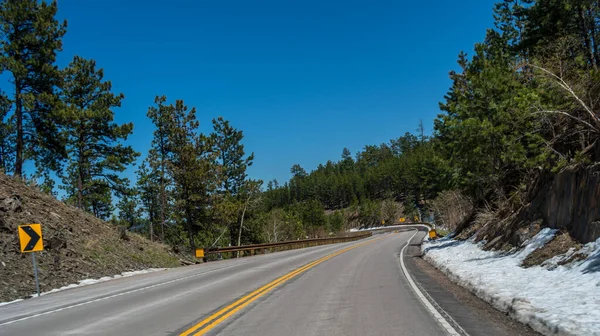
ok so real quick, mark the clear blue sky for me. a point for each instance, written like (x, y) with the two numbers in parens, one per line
(302, 79)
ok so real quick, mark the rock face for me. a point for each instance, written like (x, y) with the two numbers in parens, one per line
(568, 201)
(573, 203)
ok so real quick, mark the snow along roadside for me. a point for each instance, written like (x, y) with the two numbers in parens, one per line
(87, 282)
(561, 301)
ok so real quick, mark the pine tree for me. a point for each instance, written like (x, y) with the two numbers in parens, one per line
(549, 21)
(336, 221)
(158, 155)
(129, 213)
(313, 216)
(347, 163)
(298, 171)
(100, 200)
(31, 38)
(232, 175)
(233, 165)
(403, 144)
(149, 188)
(509, 18)
(191, 164)
(94, 140)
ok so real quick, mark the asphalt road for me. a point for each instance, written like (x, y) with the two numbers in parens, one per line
(352, 289)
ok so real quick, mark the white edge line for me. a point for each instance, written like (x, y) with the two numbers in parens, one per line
(438, 316)
(112, 296)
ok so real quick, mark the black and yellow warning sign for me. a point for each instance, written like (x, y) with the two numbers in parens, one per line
(30, 237)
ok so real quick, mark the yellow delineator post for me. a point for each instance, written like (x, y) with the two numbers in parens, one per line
(30, 239)
(432, 234)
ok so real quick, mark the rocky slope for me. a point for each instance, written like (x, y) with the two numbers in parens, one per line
(77, 245)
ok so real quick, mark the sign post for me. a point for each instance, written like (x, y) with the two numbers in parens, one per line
(37, 282)
(30, 238)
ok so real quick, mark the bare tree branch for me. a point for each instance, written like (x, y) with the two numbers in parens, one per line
(570, 116)
(568, 88)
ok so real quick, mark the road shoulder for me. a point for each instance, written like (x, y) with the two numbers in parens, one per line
(474, 315)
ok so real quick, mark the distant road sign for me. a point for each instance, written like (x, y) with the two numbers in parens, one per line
(402, 220)
(30, 237)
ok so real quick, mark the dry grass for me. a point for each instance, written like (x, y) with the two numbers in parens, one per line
(391, 211)
(483, 218)
(560, 244)
(451, 208)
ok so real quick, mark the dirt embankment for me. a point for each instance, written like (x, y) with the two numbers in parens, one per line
(77, 245)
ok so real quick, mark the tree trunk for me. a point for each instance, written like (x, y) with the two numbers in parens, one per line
(151, 217)
(586, 35)
(3, 156)
(80, 173)
(162, 204)
(593, 38)
(151, 231)
(80, 191)
(19, 117)
(162, 186)
(188, 218)
(239, 238)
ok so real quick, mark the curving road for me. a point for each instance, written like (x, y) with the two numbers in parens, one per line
(353, 288)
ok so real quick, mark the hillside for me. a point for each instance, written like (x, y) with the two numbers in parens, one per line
(77, 245)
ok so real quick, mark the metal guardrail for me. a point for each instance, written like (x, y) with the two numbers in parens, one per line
(280, 246)
(432, 233)
(399, 226)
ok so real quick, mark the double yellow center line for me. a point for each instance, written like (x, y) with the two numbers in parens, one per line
(215, 319)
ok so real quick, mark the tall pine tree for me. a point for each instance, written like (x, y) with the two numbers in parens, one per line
(232, 175)
(157, 157)
(148, 187)
(31, 37)
(232, 158)
(191, 164)
(94, 141)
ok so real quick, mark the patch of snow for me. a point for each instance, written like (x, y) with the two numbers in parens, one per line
(553, 299)
(5, 303)
(87, 282)
(149, 270)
